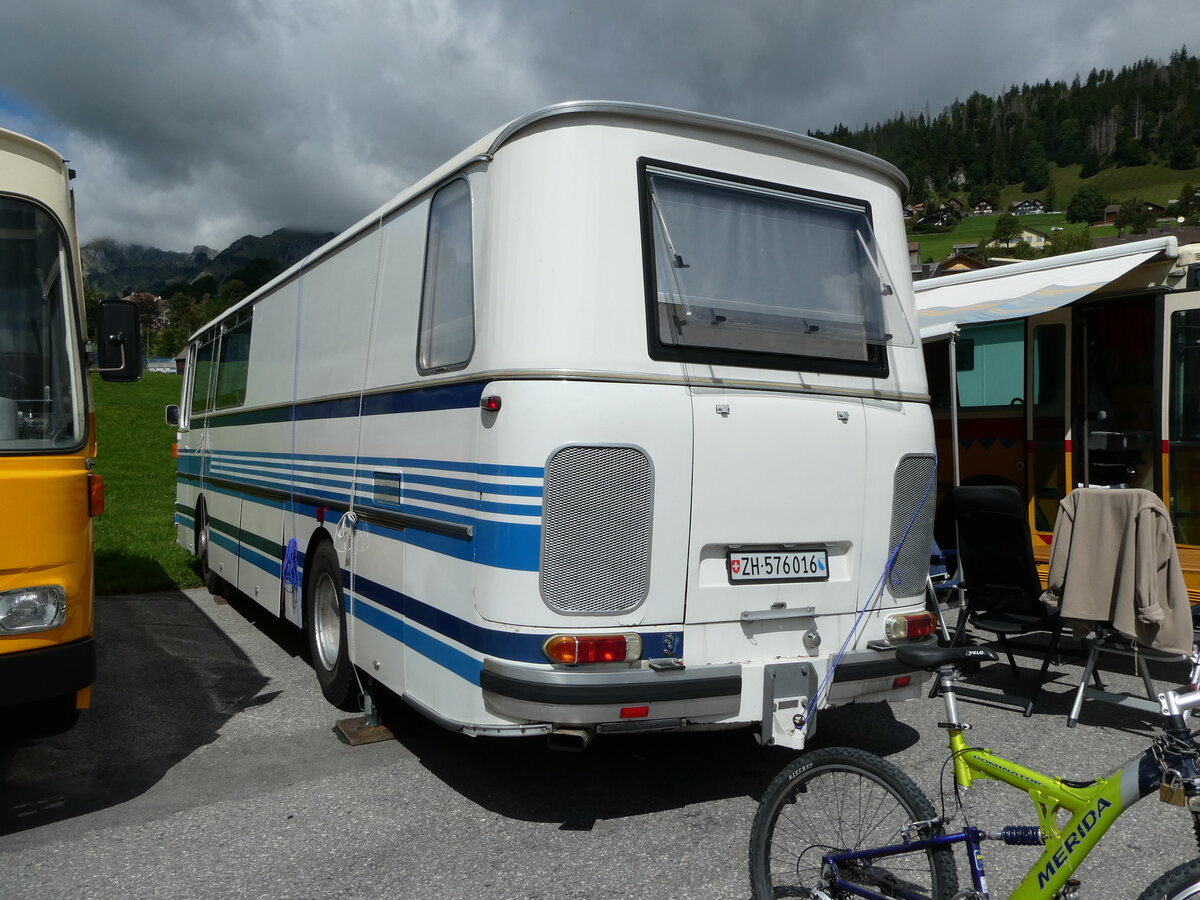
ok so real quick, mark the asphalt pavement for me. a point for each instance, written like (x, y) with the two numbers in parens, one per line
(209, 766)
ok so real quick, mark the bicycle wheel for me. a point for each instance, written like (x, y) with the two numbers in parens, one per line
(1181, 883)
(840, 799)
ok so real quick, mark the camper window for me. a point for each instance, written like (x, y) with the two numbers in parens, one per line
(447, 330)
(778, 278)
(202, 370)
(231, 370)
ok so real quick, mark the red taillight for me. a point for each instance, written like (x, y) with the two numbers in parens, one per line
(635, 712)
(490, 404)
(580, 649)
(910, 627)
(95, 494)
(902, 681)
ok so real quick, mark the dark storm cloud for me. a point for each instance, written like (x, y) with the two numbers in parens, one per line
(200, 121)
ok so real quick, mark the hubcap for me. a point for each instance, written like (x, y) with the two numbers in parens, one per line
(327, 624)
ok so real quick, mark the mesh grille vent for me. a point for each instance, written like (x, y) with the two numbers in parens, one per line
(596, 521)
(911, 568)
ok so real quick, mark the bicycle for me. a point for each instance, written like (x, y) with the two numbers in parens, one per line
(841, 822)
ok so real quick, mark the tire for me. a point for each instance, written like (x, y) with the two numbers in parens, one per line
(325, 625)
(1181, 883)
(838, 799)
(212, 581)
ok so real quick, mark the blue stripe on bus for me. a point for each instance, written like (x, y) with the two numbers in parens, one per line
(440, 397)
(301, 474)
(514, 509)
(410, 462)
(461, 664)
(507, 645)
(225, 543)
(502, 545)
(258, 560)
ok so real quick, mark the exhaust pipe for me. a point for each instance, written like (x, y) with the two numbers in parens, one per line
(571, 740)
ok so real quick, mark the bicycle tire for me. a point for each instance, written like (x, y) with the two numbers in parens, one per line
(837, 799)
(1181, 883)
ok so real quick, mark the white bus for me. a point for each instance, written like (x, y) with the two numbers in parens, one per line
(611, 423)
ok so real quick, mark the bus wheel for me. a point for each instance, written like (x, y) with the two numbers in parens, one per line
(212, 581)
(325, 624)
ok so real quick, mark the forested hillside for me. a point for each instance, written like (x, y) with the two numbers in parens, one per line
(1145, 113)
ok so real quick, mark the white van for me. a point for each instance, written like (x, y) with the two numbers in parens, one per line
(617, 421)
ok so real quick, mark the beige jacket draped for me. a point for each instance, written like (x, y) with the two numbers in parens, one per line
(1114, 560)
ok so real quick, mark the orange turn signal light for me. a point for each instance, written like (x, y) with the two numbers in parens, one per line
(95, 494)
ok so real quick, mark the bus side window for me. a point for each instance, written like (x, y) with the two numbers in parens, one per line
(447, 330)
(201, 373)
(232, 366)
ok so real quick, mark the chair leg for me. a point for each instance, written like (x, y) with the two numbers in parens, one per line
(1050, 652)
(1008, 652)
(1088, 670)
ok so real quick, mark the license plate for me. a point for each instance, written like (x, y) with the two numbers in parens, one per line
(777, 565)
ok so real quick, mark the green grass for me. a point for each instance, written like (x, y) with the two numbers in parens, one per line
(135, 537)
(1158, 184)
(978, 229)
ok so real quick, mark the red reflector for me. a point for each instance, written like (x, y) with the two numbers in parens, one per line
(95, 494)
(902, 681)
(635, 712)
(490, 404)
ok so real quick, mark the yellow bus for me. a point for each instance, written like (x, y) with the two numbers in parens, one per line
(47, 437)
(1073, 371)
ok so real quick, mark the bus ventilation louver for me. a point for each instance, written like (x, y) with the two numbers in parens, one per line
(912, 486)
(596, 518)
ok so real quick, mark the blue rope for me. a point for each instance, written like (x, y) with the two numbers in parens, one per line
(875, 597)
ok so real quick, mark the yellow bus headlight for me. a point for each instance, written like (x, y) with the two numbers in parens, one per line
(32, 609)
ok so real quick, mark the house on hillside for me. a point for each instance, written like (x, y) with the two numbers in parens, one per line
(1031, 236)
(152, 309)
(916, 268)
(959, 262)
(982, 208)
(1032, 207)
(1110, 211)
(1184, 234)
(955, 204)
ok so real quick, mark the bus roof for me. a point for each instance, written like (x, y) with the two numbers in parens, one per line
(12, 142)
(484, 149)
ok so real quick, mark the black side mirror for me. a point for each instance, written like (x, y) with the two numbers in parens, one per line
(172, 415)
(118, 341)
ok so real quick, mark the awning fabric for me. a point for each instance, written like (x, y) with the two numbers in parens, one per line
(1019, 290)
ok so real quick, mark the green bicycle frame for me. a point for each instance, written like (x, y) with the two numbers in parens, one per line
(1093, 806)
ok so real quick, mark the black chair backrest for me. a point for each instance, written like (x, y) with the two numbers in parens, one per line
(995, 550)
